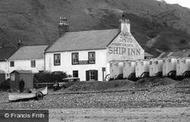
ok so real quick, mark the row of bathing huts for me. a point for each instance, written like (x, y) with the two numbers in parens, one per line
(169, 67)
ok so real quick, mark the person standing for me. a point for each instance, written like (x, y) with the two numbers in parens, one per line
(21, 85)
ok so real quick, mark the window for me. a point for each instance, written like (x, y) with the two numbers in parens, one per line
(33, 63)
(156, 62)
(75, 73)
(12, 64)
(91, 57)
(75, 58)
(57, 58)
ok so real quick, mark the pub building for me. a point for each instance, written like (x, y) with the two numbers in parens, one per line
(89, 54)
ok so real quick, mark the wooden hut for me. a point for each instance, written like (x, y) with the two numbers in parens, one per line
(17, 75)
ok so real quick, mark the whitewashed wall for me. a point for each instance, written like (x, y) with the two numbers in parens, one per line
(4, 67)
(66, 63)
(125, 47)
(26, 65)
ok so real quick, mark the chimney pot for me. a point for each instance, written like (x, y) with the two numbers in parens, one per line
(125, 24)
(63, 26)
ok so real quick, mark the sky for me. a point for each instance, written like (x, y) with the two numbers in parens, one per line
(184, 3)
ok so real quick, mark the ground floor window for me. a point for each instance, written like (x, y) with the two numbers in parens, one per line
(33, 63)
(75, 73)
(12, 63)
(91, 75)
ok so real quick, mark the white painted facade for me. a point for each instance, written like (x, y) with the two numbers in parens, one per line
(141, 67)
(168, 66)
(67, 66)
(128, 68)
(26, 65)
(121, 48)
(155, 67)
(182, 66)
(4, 68)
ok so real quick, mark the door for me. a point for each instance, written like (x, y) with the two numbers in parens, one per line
(91, 75)
(75, 73)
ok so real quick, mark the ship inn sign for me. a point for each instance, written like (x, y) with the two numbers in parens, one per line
(124, 47)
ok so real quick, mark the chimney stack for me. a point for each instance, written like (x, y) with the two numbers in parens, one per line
(19, 44)
(63, 26)
(125, 24)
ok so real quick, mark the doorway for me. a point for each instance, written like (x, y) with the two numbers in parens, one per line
(91, 75)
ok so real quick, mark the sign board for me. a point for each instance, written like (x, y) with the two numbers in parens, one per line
(124, 47)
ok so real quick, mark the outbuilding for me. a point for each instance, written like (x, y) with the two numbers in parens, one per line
(17, 76)
(116, 69)
(129, 69)
(169, 65)
(142, 68)
(155, 67)
(183, 65)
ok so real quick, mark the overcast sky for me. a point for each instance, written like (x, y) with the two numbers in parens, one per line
(185, 3)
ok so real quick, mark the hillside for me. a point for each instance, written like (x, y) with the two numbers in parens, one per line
(156, 25)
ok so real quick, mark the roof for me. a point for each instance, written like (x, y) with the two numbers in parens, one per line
(84, 40)
(29, 52)
(176, 54)
(6, 52)
(22, 71)
(148, 54)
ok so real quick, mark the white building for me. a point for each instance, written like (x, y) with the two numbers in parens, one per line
(5, 53)
(183, 65)
(87, 54)
(155, 67)
(28, 58)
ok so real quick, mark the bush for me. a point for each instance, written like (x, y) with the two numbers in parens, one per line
(42, 77)
(48, 77)
(5, 85)
(58, 76)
